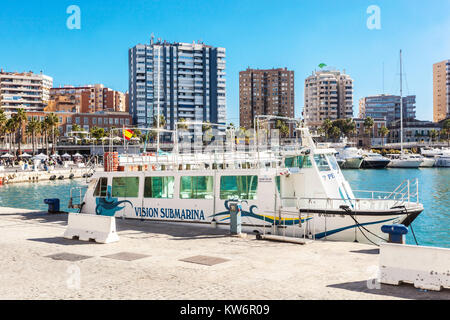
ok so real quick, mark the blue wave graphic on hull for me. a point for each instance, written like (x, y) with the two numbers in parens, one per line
(109, 206)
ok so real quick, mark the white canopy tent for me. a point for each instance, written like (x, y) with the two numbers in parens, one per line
(41, 156)
(25, 155)
(7, 155)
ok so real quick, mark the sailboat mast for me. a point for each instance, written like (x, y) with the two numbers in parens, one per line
(401, 104)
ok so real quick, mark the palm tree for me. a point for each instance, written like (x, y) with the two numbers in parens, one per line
(182, 125)
(20, 118)
(433, 134)
(325, 127)
(32, 129)
(52, 122)
(335, 133)
(44, 132)
(446, 130)
(10, 129)
(384, 132)
(368, 125)
(2, 123)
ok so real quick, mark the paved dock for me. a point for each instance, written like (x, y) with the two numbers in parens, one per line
(155, 260)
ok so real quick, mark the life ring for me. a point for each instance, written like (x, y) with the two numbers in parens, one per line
(153, 167)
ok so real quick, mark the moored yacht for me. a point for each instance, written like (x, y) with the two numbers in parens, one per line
(349, 157)
(372, 160)
(405, 160)
(443, 160)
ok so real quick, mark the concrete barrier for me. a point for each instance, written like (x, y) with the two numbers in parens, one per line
(425, 267)
(88, 227)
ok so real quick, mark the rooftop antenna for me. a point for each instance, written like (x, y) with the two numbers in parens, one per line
(152, 38)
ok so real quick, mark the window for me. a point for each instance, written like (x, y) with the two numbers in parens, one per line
(125, 187)
(159, 187)
(197, 187)
(243, 187)
(321, 162)
(100, 189)
(299, 161)
(333, 162)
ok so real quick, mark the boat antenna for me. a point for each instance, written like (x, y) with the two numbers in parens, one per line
(401, 105)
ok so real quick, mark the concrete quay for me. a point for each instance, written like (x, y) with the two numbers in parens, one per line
(20, 176)
(163, 261)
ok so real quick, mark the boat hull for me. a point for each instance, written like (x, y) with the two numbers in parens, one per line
(404, 163)
(352, 163)
(443, 162)
(375, 164)
(427, 163)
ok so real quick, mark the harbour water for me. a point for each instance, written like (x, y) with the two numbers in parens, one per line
(431, 228)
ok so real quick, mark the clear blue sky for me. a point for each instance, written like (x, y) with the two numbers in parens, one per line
(259, 33)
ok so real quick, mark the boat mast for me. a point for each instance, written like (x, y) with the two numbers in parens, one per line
(401, 105)
(158, 116)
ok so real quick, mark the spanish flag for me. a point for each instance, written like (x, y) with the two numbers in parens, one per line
(127, 134)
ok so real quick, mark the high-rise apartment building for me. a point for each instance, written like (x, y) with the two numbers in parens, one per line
(265, 92)
(27, 90)
(328, 95)
(181, 80)
(88, 98)
(441, 90)
(387, 107)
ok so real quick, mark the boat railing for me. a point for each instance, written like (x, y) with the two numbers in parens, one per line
(404, 194)
(79, 193)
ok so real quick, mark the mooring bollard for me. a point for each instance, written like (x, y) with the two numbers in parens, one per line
(396, 232)
(235, 216)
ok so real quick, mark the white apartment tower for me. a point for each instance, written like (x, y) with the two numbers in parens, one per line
(188, 79)
(328, 95)
(26, 90)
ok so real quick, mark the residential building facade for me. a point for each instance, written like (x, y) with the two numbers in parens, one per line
(413, 131)
(85, 121)
(26, 90)
(369, 137)
(328, 95)
(265, 92)
(441, 90)
(86, 99)
(387, 107)
(178, 80)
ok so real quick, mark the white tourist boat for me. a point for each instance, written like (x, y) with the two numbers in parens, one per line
(296, 193)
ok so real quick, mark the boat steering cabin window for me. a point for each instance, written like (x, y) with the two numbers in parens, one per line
(322, 163)
(101, 188)
(159, 187)
(333, 162)
(197, 187)
(243, 187)
(125, 187)
(297, 162)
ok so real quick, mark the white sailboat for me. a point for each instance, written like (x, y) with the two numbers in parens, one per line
(403, 160)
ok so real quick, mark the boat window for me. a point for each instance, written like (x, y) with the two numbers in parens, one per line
(125, 187)
(278, 182)
(102, 186)
(321, 162)
(159, 187)
(297, 162)
(333, 162)
(243, 187)
(196, 187)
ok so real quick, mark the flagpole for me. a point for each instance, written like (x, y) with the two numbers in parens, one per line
(123, 136)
